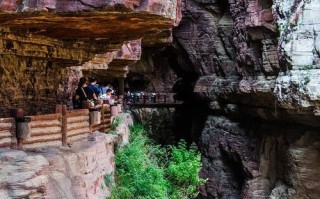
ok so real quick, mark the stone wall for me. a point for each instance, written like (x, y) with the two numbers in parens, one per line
(40, 40)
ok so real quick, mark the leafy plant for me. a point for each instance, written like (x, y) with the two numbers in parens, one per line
(182, 172)
(108, 179)
(138, 175)
(115, 123)
(146, 170)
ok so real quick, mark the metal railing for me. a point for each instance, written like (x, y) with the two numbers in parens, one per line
(151, 98)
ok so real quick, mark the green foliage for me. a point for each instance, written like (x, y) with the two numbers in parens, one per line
(108, 180)
(145, 170)
(116, 122)
(137, 174)
(182, 172)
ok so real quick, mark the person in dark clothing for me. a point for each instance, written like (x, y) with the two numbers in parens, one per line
(83, 93)
(93, 85)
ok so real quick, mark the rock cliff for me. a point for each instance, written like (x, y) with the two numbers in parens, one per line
(256, 61)
(41, 40)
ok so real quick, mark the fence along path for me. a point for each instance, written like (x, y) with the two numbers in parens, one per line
(61, 128)
(152, 99)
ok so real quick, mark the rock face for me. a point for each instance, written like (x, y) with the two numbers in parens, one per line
(255, 160)
(153, 72)
(40, 40)
(158, 121)
(83, 170)
(70, 172)
(257, 63)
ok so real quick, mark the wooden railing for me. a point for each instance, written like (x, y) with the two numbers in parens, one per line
(7, 132)
(45, 130)
(61, 128)
(105, 124)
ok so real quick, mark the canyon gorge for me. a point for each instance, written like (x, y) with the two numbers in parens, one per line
(247, 72)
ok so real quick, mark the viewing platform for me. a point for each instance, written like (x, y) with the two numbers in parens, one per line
(152, 100)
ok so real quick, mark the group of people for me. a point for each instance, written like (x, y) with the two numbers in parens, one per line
(88, 89)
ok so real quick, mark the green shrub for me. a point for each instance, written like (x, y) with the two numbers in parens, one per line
(182, 171)
(116, 122)
(145, 170)
(138, 175)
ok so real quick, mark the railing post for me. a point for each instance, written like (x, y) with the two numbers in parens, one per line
(63, 110)
(165, 98)
(102, 117)
(18, 113)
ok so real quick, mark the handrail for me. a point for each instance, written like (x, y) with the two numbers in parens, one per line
(61, 128)
(151, 98)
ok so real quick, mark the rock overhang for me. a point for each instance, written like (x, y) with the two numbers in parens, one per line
(86, 28)
(45, 46)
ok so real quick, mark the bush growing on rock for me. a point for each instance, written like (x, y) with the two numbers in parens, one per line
(146, 170)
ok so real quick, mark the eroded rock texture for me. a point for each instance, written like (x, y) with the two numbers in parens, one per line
(158, 121)
(258, 160)
(70, 172)
(257, 63)
(40, 40)
(83, 170)
(153, 72)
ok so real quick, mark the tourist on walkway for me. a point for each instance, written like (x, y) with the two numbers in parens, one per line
(93, 85)
(82, 94)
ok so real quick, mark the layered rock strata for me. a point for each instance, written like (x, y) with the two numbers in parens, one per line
(39, 39)
(258, 160)
(158, 121)
(257, 62)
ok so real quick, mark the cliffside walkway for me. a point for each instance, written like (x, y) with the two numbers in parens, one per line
(152, 100)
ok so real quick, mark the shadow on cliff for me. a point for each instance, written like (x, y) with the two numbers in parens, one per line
(190, 117)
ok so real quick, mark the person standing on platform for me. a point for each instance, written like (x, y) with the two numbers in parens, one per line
(93, 85)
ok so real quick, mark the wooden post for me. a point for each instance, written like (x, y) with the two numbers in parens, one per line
(95, 116)
(63, 110)
(18, 113)
(102, 117)
(23, 128)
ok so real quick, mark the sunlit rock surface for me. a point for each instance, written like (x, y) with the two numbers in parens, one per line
(40, 40)
(75, 172)
(83, 170)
